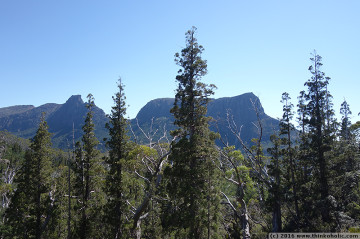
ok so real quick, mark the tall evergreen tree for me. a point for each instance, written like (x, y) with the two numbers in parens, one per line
(288, 153)
(315, 156)
(118, 150)
(191, 184)
(88, 173)
(345, 121)
(276, 191)
(30, 209)
(306, 201)
(344, 172)
(318, 108)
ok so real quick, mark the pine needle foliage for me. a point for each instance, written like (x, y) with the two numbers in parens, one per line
(30, 209)
(89, 173)
(191, 185)
(118, 151)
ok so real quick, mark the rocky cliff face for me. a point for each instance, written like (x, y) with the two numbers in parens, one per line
(72, 112)
(60, 118)
(7, 111)
(25, 123)
(240, 107)
(157, 108)
(240, 112)
(154, 119)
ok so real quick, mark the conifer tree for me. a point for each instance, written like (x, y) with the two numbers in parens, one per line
(344, 173)
(288, 154)
(191, 184)
(318, 108)
(88, 172)
(30, 209)
(345, 121)
(118, 150)
(315, 155)
(306, 205)
(276, 191)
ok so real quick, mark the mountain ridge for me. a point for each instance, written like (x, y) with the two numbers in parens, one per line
(60, 118)
(240, 108)
(154, 118)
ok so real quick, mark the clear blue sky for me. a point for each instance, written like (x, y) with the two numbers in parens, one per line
(50, 50)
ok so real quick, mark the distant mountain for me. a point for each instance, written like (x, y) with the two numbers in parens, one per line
(154, 119)
(240, 111)
(60, 118)
(73, 113)
(7, 111)
(24, 123)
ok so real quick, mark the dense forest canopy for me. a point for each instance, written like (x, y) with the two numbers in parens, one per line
(183, 184)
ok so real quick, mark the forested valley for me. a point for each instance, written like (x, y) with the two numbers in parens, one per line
(183, 185)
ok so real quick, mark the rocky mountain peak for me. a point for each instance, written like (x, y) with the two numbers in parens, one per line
(154, 117)
(155, 108)
(75, 100)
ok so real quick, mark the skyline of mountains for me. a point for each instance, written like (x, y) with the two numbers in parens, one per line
(154, 119)
(23, 120)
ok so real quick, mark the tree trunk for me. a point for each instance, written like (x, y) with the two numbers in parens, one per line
(276, 219)
(138, 230)
(245, 220)
(244, 212)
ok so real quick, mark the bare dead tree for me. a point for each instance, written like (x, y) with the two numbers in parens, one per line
(154, 168)
(229, 162)
(8, 170)
(253, 158)
(243, 214)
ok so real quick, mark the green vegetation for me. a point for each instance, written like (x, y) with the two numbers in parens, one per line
(182, 184)
(191, 179)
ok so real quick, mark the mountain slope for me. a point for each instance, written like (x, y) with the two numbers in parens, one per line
(60, 118)
(72, 114)
(7, 111)
(25, 123)
(240, 112)
(154, 119)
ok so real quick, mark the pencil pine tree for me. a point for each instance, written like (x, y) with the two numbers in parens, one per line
(291, 167)
(316, 152)
(344, 173)
(88, 172)
(318, 108)
(345, 121)
(115, 183)
(193, 191)
(30, 209)
(276, 189)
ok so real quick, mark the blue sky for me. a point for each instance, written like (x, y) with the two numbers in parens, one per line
(50, 50)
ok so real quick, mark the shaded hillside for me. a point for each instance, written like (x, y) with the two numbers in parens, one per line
(73, 113)
(240, 112)
(60, 118)
(25, 123)
(7, 111)
(155, 117)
